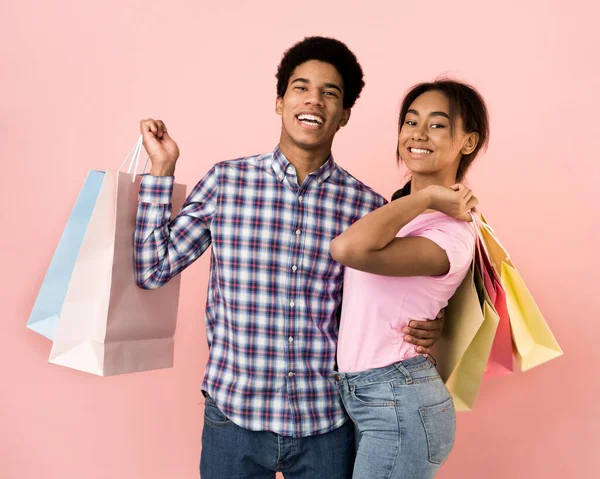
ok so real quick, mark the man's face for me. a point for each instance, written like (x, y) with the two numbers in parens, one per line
(312, 108)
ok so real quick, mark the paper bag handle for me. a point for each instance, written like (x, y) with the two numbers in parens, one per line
(134, 159)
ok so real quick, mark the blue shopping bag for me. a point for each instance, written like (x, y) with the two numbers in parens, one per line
(50, 299)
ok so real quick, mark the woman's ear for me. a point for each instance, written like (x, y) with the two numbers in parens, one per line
(470, 143)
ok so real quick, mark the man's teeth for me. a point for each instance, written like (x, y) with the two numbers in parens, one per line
(420, 151)
(311, 118)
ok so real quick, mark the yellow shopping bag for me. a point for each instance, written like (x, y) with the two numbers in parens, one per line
(533, 340)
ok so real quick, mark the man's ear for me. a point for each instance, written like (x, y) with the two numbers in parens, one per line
(470, 143)
(279, 105)
(345, 117)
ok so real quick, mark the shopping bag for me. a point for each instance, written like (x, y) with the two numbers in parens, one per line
(533, 340)
(463, 351)
(501, 360)
(48, 304)
(107, 324)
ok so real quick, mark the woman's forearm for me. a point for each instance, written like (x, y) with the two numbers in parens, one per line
(379, 228)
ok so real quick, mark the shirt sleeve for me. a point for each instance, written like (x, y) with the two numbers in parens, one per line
(163, 247)
(457, 240)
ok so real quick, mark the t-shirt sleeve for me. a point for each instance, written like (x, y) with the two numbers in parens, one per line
(457, 239)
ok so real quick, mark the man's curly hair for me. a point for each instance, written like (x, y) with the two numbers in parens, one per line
(327, 50)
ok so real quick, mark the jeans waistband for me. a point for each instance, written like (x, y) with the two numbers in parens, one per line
(406, 367)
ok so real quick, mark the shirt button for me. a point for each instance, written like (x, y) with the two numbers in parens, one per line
(298, 232)
(292, 304)
(291, 374)
(291, 339)
(300, 199)
(294, 268)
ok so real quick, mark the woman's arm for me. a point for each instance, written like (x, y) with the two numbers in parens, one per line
(371, 245)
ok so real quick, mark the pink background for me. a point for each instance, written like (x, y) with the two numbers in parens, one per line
(76, 78)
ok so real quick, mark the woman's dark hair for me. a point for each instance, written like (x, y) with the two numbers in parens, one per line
(328, 50)
(466, 103)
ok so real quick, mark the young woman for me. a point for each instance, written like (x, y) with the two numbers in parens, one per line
(404, 261)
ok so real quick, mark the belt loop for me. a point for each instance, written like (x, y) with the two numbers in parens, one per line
(404, 371)
(341, 381)
(431, 359)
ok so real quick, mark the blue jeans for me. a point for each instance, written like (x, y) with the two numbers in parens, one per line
(232, 452)
(404, 419)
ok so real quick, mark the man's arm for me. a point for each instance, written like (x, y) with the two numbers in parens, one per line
(163, 248)
(424, 334)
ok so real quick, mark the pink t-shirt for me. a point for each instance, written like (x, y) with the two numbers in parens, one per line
(375, 308)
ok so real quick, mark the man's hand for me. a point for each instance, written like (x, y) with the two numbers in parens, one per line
(424, 334)
(161, 148)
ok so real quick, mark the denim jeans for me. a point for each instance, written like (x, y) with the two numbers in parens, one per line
(232, 452)
(404, 419)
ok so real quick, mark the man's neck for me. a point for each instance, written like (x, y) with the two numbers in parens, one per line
(305, 161)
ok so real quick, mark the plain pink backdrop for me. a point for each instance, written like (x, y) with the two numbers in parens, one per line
(77, 76)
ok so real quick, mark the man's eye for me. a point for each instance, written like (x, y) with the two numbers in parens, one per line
(301, 88)
(330, 93)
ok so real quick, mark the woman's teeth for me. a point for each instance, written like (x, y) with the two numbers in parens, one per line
(420, 151)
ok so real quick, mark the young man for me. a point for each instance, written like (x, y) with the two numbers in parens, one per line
(274, 290)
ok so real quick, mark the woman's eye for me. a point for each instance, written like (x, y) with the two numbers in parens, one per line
(410, 122)
(438, 125)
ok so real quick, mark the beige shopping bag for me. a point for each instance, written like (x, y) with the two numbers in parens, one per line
(463, 351)
(107, 324)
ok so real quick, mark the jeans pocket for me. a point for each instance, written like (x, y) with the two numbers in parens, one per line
(213, 414)
(440, 429)
(374, 394)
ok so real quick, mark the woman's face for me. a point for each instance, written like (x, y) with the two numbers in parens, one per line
(426, 144)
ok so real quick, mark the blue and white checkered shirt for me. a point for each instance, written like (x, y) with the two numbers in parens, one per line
(274, 290)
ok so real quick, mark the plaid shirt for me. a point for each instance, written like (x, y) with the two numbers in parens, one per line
(274, 290)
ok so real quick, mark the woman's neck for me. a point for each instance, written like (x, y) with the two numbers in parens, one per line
(419, 182)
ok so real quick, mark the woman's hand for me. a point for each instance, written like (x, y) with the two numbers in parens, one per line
(456, 201)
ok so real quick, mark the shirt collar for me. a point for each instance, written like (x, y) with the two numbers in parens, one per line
(280, 164)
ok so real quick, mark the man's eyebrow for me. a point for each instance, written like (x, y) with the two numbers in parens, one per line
(327, 85)
(301, 80)
(334, 86)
